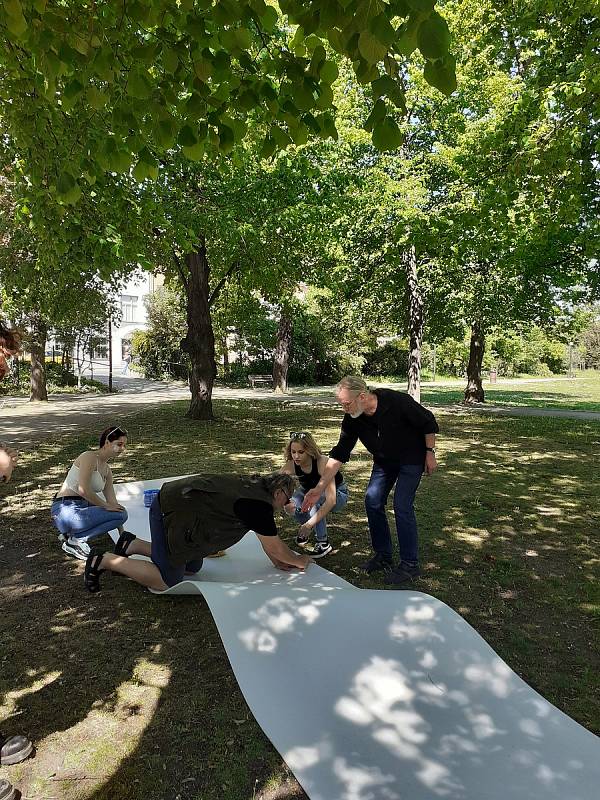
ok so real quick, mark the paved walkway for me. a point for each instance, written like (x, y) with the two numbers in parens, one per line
(23, 424)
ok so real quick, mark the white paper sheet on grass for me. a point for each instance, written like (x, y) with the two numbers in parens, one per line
(382, 695)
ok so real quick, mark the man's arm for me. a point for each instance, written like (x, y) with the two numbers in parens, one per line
(331, 469)
(430, 460)
(281, 555)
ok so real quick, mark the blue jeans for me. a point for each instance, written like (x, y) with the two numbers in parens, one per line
(159, 553)
(74, 516)
(407, 478)
(320, 529)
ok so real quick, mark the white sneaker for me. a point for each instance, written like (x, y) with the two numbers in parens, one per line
(77, 548)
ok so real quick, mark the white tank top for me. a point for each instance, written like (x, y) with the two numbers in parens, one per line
(98, 481)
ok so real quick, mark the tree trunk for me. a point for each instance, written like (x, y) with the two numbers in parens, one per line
(281, 360)
(415, 324)
(39, 332)
(474, 391)
(200, 339)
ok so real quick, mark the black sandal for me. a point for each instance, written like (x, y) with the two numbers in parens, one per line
(123, 542)
(91, 575)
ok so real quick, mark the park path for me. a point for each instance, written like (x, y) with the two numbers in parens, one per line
(24, 424)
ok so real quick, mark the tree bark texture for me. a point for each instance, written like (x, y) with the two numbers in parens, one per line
(415, 324)
(474, 391)
(281, 360)
(200, 340)
(39, 333)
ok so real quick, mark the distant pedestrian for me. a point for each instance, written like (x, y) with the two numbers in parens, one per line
(400, 433)
(126, 363)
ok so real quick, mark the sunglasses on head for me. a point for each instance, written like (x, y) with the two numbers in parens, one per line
(298, 435)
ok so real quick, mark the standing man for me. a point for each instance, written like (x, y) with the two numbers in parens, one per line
(400, 433)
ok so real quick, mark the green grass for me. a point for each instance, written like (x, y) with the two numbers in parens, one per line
(131, 695)
(581, 393)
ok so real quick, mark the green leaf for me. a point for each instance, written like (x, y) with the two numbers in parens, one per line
(329, 72)
(40, 5)
(71, 94)
(194, 153)
(299, 134)
(165, 133)
(226, 139)
(325, 99)
(17, 25)
(381, 28)
(386, 135)
(407, 39)
(65, 183)
(269, 19)
(187, 137)
(378, 113)
(370, 48)
(138, 86)
(203, 69)
(96, 98)
(243, 38)
(303, 96)
(433, 37)
(388, 87)
(282, 139)
(268, 147)
(170, 59)
(13, 8)
(441, 74)
(146, 167)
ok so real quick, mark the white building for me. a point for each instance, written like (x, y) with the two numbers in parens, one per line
(133, 314)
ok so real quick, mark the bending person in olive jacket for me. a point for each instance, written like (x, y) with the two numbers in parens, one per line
(194, 517)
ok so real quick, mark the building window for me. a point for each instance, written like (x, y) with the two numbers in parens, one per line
(129, 307)
(100, 348)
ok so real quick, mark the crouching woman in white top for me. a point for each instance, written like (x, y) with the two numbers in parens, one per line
(85, 505)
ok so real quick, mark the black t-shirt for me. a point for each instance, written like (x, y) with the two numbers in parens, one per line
(257, 515)
(394, 433)
(308, 480)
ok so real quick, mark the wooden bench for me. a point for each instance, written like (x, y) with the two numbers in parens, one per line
(261, 380)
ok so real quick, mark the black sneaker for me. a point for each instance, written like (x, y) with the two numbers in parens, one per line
(320, 549)
(77, 548)
(8, 791)
(302, 538)
(14, 749)
(403, 574)
(379, 561)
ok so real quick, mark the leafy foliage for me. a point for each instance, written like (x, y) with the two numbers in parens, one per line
(115, 86)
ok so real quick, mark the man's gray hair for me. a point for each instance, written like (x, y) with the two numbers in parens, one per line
(280, 480)
(353, 383)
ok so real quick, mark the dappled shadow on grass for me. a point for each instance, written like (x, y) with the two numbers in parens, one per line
(128, 694)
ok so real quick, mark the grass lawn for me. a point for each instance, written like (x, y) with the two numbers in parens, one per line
(581, 393)
(128, 695)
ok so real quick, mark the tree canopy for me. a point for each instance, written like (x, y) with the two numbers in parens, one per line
(109, 86)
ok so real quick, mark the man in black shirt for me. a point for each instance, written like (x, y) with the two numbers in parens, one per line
(400, 433)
